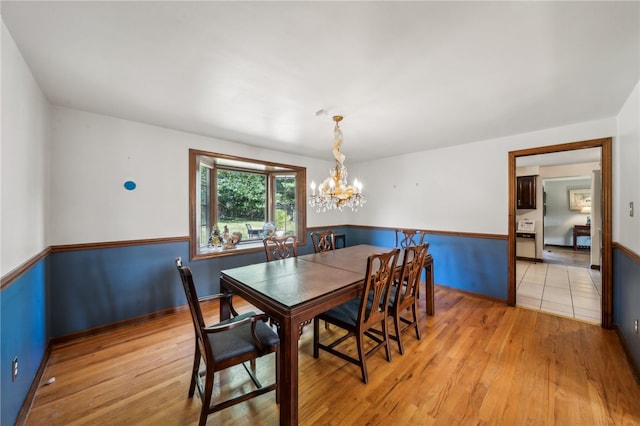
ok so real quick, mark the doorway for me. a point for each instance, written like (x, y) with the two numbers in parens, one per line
(606, 259)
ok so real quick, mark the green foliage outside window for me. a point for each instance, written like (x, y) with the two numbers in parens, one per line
(285, 203)
(241, 196)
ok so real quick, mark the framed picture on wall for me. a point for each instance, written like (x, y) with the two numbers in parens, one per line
(579, 198)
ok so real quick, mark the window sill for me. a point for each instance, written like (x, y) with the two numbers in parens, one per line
(211, 252)
(246, 248)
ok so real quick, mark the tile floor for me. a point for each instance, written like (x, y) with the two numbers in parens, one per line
(563, 290)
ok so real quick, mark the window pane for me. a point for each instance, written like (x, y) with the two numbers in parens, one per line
(242, 200)
(285, 204)
(205, 202)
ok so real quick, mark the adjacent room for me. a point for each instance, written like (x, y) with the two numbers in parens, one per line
(320, 212)
(558, 270)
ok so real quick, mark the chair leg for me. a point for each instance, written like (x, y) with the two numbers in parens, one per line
(397, 324)
(414, 309)
(194, 371)
(206, 398)
(362, 357)
(385, 333)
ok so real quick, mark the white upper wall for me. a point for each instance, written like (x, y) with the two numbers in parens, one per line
(23, 152)
(462, 188)
(459, 189)
(560, 220)
(626, 174)
(94, 155)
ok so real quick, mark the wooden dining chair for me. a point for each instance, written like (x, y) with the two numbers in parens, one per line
(219, 346)
(362, 314)
(280, 247)
(408, 237)
(405, 292)
(323, 241)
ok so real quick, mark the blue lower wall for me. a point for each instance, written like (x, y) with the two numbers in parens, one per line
(72, 291)
(23, 334)
(626, 299)
(91, 288)
(478, 265)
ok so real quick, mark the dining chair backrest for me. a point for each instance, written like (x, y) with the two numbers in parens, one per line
(377, 288)
(192, 300)
(323, 241)
(280, 247)
(412, 264)
(408, 237)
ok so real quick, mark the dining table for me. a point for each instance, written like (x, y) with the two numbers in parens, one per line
(292, 292)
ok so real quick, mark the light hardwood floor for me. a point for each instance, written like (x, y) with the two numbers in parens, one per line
(478, 362)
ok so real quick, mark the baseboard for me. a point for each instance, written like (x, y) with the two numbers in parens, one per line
(115, 325)
(31, 395)
(529, 259)
(470, 293)
(632, 363)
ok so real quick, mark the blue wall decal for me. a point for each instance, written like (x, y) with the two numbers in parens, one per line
(129, 185)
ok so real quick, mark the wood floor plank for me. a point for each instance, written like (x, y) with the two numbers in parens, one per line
(478, 362)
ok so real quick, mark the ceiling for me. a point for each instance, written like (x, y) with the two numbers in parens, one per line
(407, 76)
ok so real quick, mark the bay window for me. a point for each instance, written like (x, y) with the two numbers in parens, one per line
(235, 202)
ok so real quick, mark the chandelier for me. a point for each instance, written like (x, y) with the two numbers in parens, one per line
(334, 192)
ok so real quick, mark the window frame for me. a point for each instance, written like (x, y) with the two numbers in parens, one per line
(270, 169)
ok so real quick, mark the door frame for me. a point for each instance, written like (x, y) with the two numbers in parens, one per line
(605, 145)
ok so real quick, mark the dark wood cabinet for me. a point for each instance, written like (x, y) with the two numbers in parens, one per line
(526, 195)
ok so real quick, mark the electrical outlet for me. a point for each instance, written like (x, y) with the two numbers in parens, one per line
(14, 369)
